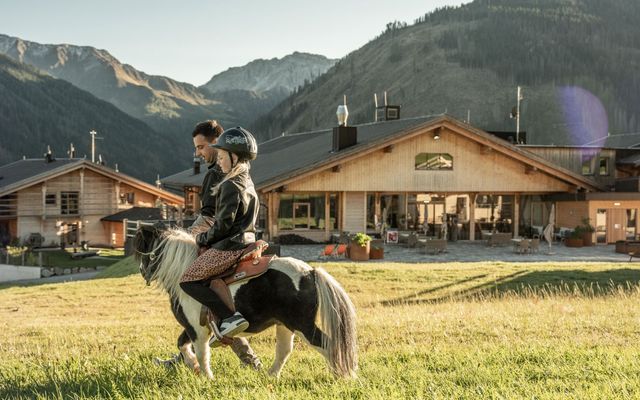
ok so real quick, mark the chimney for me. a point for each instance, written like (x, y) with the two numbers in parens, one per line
(343, 136)
(48, 156)
(385, 112)
(196, 165)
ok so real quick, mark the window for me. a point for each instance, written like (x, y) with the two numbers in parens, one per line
(603, 166)
(587, 164)
(434, 161)
(302, 211)
(69, 203)
(50, 199)
(127, 198)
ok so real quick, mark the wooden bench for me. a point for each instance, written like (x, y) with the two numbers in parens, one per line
(434, 246)
(633, 254)
(499, 239)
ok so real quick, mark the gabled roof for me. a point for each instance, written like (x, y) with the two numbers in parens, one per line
(291, 157)
(135, 214)
(283, 162)
(618, 141)
(24, 173)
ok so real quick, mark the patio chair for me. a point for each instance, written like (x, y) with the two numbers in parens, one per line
(328, 251)
(412, 240)
(523, 247)
(535, 244)
(341, 250)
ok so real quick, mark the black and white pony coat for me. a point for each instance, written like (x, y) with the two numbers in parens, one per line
(290, 294)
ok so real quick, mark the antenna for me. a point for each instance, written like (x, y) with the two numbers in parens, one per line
(93, 134)
(518, 115)
(72, 151)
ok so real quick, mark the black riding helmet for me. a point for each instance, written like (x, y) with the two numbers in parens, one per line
(238, 141)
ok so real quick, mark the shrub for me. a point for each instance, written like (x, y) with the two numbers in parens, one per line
(361, 239)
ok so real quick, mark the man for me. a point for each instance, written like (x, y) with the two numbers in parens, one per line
(204, 134)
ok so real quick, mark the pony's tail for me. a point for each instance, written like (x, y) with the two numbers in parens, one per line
(338, 320)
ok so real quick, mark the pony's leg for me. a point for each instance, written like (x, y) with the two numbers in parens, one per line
(284, 346)
(203, 354)
(313, 336)
(186, 350)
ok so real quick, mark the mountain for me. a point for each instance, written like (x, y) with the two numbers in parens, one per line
(37, 110)
(577, 61)
(274, 75)
(168, 106)
(234, 97)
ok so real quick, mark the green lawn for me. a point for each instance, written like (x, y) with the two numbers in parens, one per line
(466, 330)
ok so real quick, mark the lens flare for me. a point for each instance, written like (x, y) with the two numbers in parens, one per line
(584, 115)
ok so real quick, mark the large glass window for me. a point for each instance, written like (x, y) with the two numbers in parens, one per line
(302, 211)
(69, 203)
(434, 161)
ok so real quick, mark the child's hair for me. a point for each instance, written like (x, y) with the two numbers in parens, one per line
(242, 166)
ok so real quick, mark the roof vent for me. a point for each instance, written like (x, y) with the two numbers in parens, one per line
(344, 136)
(385, 112)
(48, 156)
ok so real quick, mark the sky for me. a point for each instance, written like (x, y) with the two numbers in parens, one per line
(190, 41)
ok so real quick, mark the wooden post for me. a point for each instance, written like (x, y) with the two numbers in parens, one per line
(472, 216)
(516, 215)
(327, 216)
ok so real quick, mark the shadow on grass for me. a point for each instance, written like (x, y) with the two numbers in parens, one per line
(535, 283)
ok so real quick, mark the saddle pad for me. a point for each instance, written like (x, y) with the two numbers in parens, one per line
(249, 269)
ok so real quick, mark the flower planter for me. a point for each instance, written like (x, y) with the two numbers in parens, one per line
(573, 242)
(359, 253)
(376, 253)
(587, 239)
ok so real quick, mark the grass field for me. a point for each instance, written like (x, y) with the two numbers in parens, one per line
(476, 330)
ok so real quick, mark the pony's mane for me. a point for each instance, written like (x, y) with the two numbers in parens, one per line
(179, 250)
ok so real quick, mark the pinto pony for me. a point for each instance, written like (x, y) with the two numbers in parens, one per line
(290, 294)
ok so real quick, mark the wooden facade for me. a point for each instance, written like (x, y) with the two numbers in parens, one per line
(68, 204)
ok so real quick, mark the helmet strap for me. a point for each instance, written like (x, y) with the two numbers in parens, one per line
(231, 159)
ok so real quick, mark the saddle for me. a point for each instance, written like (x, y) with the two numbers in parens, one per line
(251, 264)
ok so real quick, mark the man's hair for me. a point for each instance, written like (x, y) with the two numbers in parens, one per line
(209, 129)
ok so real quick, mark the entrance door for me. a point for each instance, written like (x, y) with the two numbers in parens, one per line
(616, 224)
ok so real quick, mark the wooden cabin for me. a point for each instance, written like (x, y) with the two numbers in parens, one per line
(67, 200)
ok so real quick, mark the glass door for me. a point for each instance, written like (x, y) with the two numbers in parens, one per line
(601, 226)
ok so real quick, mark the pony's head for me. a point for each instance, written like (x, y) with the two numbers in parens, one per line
(147, 246)
(164, 254)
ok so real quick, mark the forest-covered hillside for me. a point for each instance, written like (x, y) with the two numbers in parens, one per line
(576, 60)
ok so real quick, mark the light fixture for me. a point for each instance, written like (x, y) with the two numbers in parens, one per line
(616, 204)
(436, 134)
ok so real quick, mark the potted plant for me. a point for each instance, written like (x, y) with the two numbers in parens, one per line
(587, 232)
(575, 239)
(376, 251)
(359, 247)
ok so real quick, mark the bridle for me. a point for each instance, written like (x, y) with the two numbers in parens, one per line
(153, 257)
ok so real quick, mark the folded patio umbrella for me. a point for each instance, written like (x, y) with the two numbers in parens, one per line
(548, 230)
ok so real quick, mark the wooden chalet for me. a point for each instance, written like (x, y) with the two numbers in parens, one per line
(72, 200)
(417, 174)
